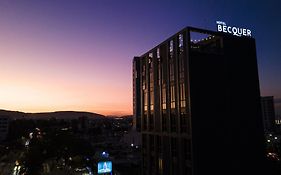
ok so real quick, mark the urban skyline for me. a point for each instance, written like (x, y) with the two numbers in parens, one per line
(71, 55)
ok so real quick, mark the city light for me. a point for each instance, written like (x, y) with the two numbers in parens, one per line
(104, 167)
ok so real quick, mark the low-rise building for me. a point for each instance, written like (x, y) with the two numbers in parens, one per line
(4, 127)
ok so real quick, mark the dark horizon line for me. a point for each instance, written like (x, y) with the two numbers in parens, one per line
(110, 115)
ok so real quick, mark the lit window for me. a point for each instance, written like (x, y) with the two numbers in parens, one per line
(173, 98)
(182, 95)
(171, 46)
(164, 97)
(158, 53)
(151, 99)
(180, 40)
(145, 101)
(150, 55)
(160, 165)
(151, 76)
(164, 106)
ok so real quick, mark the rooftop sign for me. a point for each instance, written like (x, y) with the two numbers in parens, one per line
(222, 27)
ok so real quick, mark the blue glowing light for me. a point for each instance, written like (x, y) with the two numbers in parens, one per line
(104, 167)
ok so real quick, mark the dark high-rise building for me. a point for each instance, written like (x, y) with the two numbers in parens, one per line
(268, 114)
(136, 94)
(197, 98)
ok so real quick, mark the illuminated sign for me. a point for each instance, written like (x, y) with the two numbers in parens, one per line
(104, 167)
(222, 27)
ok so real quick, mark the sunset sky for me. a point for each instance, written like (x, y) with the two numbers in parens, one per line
(77, 54)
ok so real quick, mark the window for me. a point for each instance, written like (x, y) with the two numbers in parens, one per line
(159, 144)
(171, 69)
(144, 142)
(151, 78)
(164, 98)
(173, 121)
(160, 165)
(204, 42)
(173, 97)
(187, 149)
(143, 77)
(171, 46)
(181, 67)
(180, 43)
(158, 53)
(164, 121)
(174, 147)
(144, 125)
(144, 149)
(153, 164)
(151, 121)
(182, 95)
(159, 73)
(151, 142)
(151, 99)
(145, 98)
(183, 122)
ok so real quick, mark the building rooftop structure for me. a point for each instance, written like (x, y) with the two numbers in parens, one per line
(268, 114)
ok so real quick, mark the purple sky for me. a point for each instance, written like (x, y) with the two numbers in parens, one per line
(77, 55)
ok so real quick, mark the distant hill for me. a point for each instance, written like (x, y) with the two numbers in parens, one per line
(12, 114)
(117, 116)
(127, 116)
(47, 115)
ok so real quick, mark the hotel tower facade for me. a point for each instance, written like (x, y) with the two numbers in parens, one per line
(197, 105)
